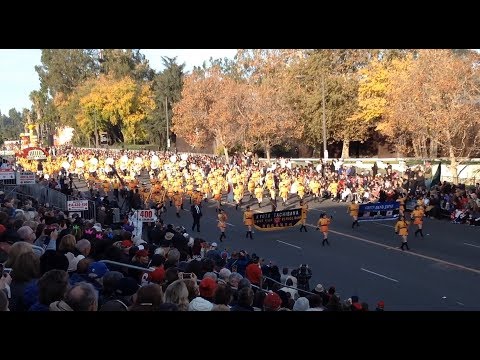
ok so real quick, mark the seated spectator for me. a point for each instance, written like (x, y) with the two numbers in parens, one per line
(207, 288)
(222, 295)
(148, 298)
(200, 304)
(301, 304)
(315, 302)
(25, 272)
(81, 297)
(244, 301)
(272, 302)
(52, 287)
(177, 293)
(3, 301)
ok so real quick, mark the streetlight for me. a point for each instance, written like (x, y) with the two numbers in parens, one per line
(324, 123)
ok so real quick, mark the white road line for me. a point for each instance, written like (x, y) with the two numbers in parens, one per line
(472, 245)
(461, 304)
(383, 276)
(390, 226)
(404, 252)
(229, 224)
(295, 246)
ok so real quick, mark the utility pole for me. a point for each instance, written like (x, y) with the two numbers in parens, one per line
(168, 130)
(96, 132)
(324, 125)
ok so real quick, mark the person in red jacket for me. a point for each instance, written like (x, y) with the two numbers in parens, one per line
(253, 272)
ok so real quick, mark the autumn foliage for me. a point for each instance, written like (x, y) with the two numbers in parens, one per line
(424, 103)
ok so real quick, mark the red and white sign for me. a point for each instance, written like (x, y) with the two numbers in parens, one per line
(34, 153)
(77, 205)
(25, 178)
(7, 174)
(145, 215)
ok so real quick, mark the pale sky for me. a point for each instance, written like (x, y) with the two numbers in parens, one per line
(18, 76)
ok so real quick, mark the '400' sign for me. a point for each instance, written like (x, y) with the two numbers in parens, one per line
(146, 215)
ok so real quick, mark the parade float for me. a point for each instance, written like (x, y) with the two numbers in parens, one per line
(29, 148)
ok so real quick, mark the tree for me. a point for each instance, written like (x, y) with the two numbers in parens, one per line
(167, 85)
(116, 106)
(338, 71)
(208, 108)
(120, 63)
(271, 118)
(436, 99)
(12, 125)
(39, 100)
(64, 69)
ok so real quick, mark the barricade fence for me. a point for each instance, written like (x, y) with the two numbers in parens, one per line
(43, 194)
(90, 213)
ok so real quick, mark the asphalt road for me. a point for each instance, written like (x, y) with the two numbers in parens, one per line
(441, 272)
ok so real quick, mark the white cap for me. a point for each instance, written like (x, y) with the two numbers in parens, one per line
(214, 244)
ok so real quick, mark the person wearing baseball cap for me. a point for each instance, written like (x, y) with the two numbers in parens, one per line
(272, 302)
(141, 258)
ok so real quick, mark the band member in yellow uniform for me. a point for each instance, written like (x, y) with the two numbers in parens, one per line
(401, 228)
(284, 193)
(248, 221)
(353, 210)
(238, 195)
(401, 199)
(301, 190)
(259, 195)
(222, 223)
(178, 200)
(322, 225)
(417, 217)
(251, 187)
(303, 218)
(217, 196)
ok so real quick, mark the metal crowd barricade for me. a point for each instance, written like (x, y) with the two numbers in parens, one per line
(283, 285)
(126, 265)
(43, 194)
(89, 214)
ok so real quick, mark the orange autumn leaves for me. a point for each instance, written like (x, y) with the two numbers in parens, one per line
(237, 112)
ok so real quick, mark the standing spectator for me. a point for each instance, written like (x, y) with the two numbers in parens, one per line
(375, 169)
(303, 275)
(253, 272)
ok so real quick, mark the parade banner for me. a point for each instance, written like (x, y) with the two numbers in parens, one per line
(379, 211)
(277, 220)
